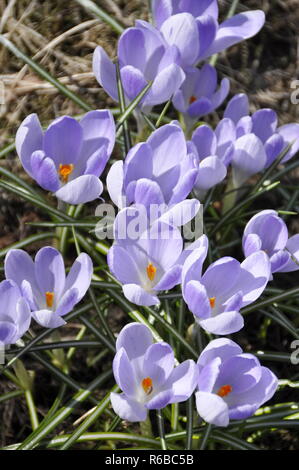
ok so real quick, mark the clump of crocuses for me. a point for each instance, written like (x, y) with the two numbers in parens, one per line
(69, 157)
(43, 282)
(145, 373)
(231, 384)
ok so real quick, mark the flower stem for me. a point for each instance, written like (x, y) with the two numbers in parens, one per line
(161, 429)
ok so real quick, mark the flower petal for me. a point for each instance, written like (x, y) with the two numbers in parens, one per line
(137, 295)
(212, 408)
(105, 72)
(44, 171)
(128, 409)
(183, 380)
(80, 275)
(224, 323)
(29, 138)
(63, 140)
(83, 189)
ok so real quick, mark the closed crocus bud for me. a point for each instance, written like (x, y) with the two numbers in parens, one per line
(268, 232)
(216, 297)
(145, 373)
(43, 282)
(69, 157)
(15, 315)
(231, 384)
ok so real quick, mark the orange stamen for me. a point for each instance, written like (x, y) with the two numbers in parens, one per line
(147, 385)
(192, 99)
(225, 390)
(151, 271)
(49, 299)
(65, 171)
(212, 301)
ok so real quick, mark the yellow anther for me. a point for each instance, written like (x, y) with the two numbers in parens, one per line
(65, 171)
(49, 299)
(151, 271)
(147, 385)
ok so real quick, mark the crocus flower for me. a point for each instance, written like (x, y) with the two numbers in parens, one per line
(143, 56)
(68, 158)
(231, 384)
(150, 262)
(50, 293)
(198, 94)
(146, 374)
(15, 315)
(268, 232)
(159, 171)
(259, 135)
(201, 37)
(216, 297)
(213, 152)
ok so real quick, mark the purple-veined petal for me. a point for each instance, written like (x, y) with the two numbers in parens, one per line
(67, 302)
(200, 107)
(83, 189)
(8, 332)
(160, 400)
(251, 243)
(135, 338)
(29, 138)
(48, 319)
(292, 247)
(170, 279)
(211, 171)
(115, 181)
(212, 408)
(254, 276)
(133, 81)
(158, 364)
(249, 158)
(49, 271)
(205, 141)
(164, 86)
(195, 296)
(237, 108)
(79, 276)
(207, 28)
(241, 372)
(128, 409)
(221, 277)
(63, 140)
(105, 72)
(123, 266)
(193, 264)
(23, 316)
(44, 171)
(18, 266)
(290, 134)
(273, 148)
(148, 192)
(224, 323)
(124, 373)
(98, 126)
(208, 375)
(279, 260)
(137, 295)
(236, 29)
(181, 213)
(183, 380)
(168, 145)
(221, 347)
(264, 123)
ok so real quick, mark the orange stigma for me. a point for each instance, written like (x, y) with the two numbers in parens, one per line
(192, 99)
(212, 301)
(65, 171)
(151, 271)
(49, 299)
(225, 390)
(147, 385)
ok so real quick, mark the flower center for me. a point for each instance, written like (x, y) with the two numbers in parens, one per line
(49, 299)
(151, 271)
(224, 390)
(65, 171)
(212, 301)
(147, 385)
(192, 99)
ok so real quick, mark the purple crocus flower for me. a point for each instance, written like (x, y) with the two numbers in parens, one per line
(143, 56)
(149, 262)
(216, 297)
(198, 94)
(257, 139)
(146, 374)
(15, 315)
(68, 158)
(159, 171)
(49, 292)
(231, 384)
(213, 152)
(268, 232)
(198, 38)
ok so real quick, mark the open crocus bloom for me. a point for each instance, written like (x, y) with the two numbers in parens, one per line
(263, 125)
(50, 293)
(15, 315)
(68, 158)
(231, 384)
(145, 373)
(143, 56)
(216, 297)
(149, 264)
(159, 171)
(198, 94)
(201, 37)
(268, 232)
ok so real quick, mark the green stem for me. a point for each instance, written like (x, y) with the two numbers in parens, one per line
(32, 409)
(161, 429)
